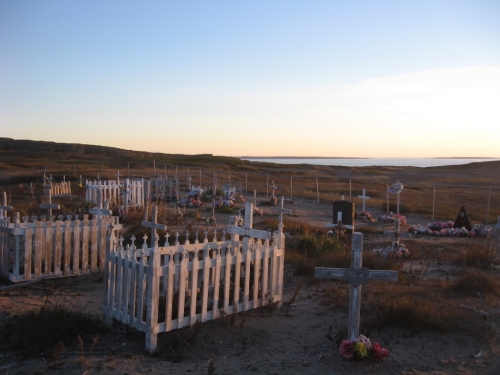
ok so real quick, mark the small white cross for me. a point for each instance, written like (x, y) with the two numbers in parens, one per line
(364, 197)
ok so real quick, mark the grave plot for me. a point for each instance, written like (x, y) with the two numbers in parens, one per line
(161, 288)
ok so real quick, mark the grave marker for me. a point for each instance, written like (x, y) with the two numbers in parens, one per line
(364, 197)
(247, 230)
(4, 208)
(49, 206)
(153, 224)
(463, 220)
(356, 275)
(281, 210)
(343, 211)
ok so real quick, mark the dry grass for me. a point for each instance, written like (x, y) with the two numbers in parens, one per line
(51, 326)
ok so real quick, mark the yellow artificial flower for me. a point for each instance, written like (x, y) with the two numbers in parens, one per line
(361, 350)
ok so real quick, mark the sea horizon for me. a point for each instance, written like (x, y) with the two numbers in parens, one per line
(368, 162)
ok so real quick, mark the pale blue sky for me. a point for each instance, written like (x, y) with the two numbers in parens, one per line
(317, 78)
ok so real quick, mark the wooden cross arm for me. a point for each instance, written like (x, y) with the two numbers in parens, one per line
(153, 225)
(100, 211)
(355, 276)
(254, 233)
(50, 206)
(6, 208)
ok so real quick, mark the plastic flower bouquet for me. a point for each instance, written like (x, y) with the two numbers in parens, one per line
(363, 348)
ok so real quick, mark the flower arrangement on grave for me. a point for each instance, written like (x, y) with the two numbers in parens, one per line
(362, 348)
(366, 216)
(395, 188)
(395, 251)
(446, 229)
(391, 218)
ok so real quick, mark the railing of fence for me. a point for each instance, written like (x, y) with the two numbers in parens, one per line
(54, 248)
(164, 288)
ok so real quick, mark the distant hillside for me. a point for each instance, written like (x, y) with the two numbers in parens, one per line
(11, 151)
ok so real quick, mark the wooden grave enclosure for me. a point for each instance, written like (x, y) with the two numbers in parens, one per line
(160, 288)
(54, 248)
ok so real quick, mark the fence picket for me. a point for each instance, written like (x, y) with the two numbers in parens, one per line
(194, 287)
(28, 249)
(38, 249)
(76, 248)
(94, 245)
(58, 248)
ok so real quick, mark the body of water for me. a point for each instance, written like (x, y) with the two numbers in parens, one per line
(378, 162)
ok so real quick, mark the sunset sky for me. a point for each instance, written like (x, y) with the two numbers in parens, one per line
(257, 78)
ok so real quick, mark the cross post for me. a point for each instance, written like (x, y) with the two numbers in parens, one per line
(247, 230)
(364, 197)
(101, 210)
(49, 206)
(356, 275)
(4, 208)
(153, 224)
(281, 210)
(118, 175)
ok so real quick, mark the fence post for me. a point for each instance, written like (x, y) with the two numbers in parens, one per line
(488, 207)
(433, 202)
(153, 295)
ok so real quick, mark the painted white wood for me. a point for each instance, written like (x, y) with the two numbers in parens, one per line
(364, 198)
(356, 275)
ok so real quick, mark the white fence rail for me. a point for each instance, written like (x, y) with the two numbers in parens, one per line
(126, 192)
(54, 248)
(159, 289)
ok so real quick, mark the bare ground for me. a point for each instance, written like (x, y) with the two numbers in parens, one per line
(300, 338)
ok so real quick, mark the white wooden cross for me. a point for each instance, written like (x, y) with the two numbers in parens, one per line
(189, 182)
(247, 230)
(356, 275)
(364, 197)
(118, 175)
(101, 210)
(153, 224)
(281, 210)
(49, 206)
(273, 187)
(4, 208)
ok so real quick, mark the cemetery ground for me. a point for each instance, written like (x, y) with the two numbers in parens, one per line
(442, 317)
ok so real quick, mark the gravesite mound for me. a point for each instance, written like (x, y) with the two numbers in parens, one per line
(371, 282)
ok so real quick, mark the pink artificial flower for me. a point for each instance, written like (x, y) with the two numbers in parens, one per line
(379, 353)
(347, 348)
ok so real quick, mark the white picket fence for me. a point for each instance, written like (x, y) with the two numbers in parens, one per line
(60, 188)
(159, 289)
(54, 248)
(126, 192)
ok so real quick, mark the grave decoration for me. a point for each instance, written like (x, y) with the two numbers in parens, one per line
(364, 215)
(447, 229)
(396, 249)
(343, 218)
(392, 218)
(357, 346)
(273, 200)
(463, 220)
(396, 189)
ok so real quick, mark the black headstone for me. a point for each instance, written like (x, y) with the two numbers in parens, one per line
(463, 220)
(348, 212)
